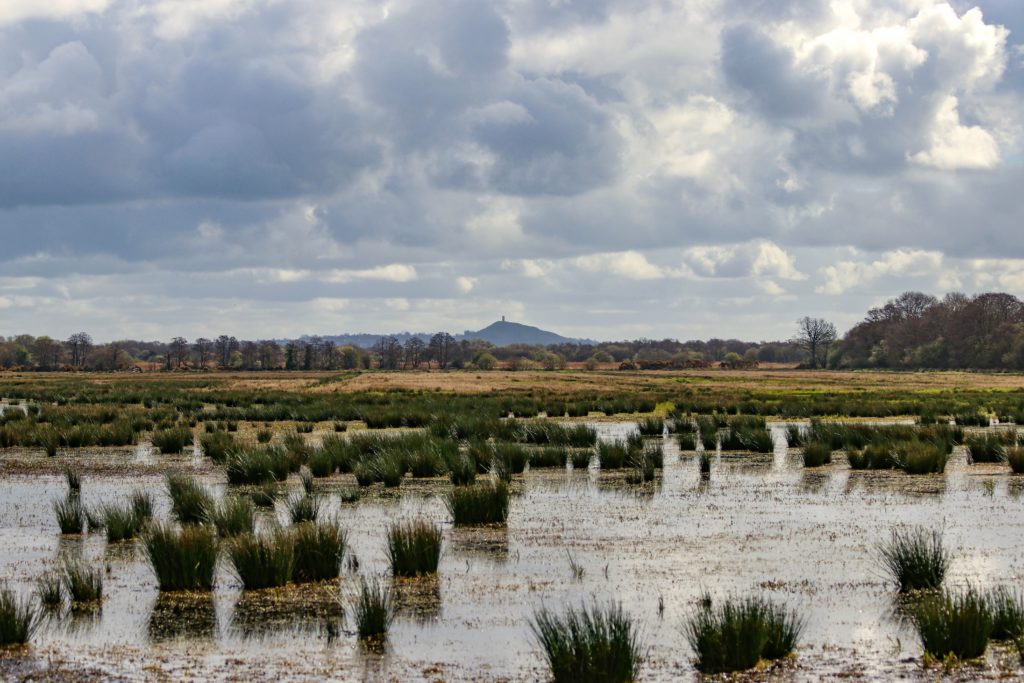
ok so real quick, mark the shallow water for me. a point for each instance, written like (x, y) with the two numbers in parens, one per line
(762, 523)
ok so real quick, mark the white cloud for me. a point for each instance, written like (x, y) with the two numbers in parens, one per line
(19, 10)
(465, 284)
(395, 272)
(954, 145)
(849, 274)
(631, 265)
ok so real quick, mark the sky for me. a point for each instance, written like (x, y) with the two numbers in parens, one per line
(609, 169)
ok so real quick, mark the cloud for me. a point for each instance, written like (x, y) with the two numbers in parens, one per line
(170, 161)
(631, 265)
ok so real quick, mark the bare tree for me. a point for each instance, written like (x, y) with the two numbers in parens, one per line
(202, 348)
(79, 344)
(815, 335)
(225, 346)
(441, 347)
(178, 351)
(414, 352)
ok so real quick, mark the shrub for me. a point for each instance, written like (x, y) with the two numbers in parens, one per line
(172, 440)
(373, 609)
(915, 559)
(817, 453)
(70, 514)
(414, 548)
(182, 560)
(479, 504)
(737, 634)
(916, 457)
(319, 548)
(82, 582)
(190, 500)
(957, 624)
(233, 516)
(263, 561)
(303, 508)
(595, 644)
(19, 618)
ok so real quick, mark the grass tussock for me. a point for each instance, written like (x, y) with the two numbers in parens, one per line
(817, 453)
(125, 521)
(479, 504)
(303, 507)
(257, 465)
(599, 644)
(915, 559)
(1015, 458)
(1007, 609)
(172, 440)
(19, 618)
(318, 550)
(50, 590)
(737, 634)
(70, 514)
(957, 624)
(233, 516)
(414, 548)
(190, 500)
(263, 560)
(917, 457)
(373, 609)
(83, 583)
(181, 560)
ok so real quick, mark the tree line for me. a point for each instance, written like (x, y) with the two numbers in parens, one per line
(912, 331)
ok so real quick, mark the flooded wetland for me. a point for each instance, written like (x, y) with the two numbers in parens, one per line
(580, 531)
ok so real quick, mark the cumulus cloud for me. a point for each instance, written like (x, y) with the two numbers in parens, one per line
(464, 159)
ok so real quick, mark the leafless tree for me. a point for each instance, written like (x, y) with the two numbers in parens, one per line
(815, 335)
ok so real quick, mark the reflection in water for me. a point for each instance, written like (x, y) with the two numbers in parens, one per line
(418, 599)
(483, 542)
(875, 482)
(308, 608)
(183, 615)
(375, 654)
(1015, 487)
(83, 617)
(814, 480)
(747, 463)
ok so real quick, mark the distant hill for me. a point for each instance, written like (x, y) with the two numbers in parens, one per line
(500, 333)
(504, 333)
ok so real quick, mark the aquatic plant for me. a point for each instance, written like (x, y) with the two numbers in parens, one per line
(817, 453)
(257, 465)
(262, 560)
(190, 500)
(611, 455)
(70, 514)
(414, 548)
(1015, 458)
(182, 560)
(957, 624)
(172, 440)
(233, 516)
(651, 426)
(915, 559)
(478, 504)
(1007, 609)
(303, 507)
(598, 644)
(217, 445)
(373, 609)
(916, 457)
(19, 618)
(83, 582)
(318, 550)
(738, 633)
